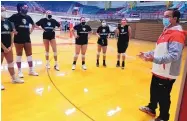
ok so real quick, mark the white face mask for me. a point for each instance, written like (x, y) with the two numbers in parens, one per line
(103, 24)
(3, 14)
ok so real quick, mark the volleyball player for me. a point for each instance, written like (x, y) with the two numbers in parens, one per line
(81, 41)
(103, 34)
(7, 36)
(48, 24)
(22, 40)
(124, 34)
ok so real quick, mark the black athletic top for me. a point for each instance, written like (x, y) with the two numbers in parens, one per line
(123, 34)
(21, 24)
(103, 31)
(48, 24)
(82, 31)
(6, 29)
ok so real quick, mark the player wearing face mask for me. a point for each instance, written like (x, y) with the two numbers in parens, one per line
(22, 31)
(7, 37)
(81, 35)
(103, 34)
(49, 24)
(124, 34)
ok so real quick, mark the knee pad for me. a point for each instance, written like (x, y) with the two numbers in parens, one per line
(98, 53)
(55, 53)
(83, 56)
(11, 65)
(29, 58)
(46, 53)
(104, 54)
(18, 58)
(123, 54)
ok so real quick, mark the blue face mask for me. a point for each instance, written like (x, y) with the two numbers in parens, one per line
(166, 22)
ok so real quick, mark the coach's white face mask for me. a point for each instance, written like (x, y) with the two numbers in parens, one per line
(3, 14)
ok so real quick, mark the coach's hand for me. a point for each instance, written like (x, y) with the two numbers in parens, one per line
(149, 58)
(141, 55)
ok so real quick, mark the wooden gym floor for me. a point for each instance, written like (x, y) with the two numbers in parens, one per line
(99, 94)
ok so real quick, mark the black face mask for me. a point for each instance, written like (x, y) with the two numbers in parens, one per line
(23, 11)
(49, 16)
(83, 23)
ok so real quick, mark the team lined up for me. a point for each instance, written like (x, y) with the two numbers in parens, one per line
(15, 30)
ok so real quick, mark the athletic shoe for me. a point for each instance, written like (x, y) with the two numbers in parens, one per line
(17, 80)
(158, 119)
(123, 65)
(104, 64)
(147, 110)
(2, 87)
(118, 64)
(48, 66)
(84, 67)
(33, 73)
(73, 67)
(20, 74)
(97, 64)
(56, 67)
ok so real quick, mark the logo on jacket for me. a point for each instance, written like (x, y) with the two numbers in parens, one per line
(49, 23)
(103, 30)
(122, 30)
(24, 21)
(5, 26)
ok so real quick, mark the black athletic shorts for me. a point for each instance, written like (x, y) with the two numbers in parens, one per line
(122, 47)
(81, 41)
(22, 39)
(102, 42)
(49, 35)
(7, 45)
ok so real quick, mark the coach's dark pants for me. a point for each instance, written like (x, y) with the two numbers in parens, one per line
(160, 93)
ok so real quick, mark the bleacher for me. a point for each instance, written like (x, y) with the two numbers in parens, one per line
(11, 5)
(148, 9)
(66, 7)
(57, 6)
(109, 11)
(90, 10)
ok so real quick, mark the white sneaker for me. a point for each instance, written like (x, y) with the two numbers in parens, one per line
(33, 73)
(56, 67)
(73, 67)
(2, 87)
(48, 66)
(20, 74)
(84, 67)
(17, 80)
